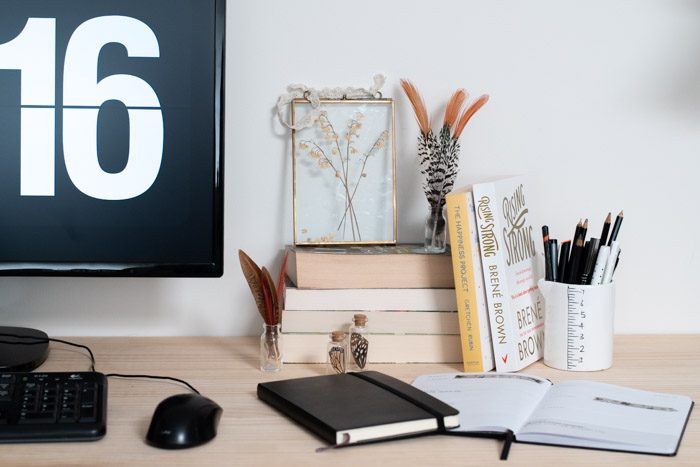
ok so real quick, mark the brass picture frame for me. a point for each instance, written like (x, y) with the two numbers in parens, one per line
(344, 170)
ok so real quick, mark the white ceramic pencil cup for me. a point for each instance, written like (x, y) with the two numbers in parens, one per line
(578, 325)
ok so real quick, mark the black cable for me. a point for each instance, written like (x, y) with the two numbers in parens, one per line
(182, 381)
(44, 340)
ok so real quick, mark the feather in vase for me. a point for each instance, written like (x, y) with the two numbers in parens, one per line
(454, 106)
(268, 297)
(428, 146)
(439, 156)
(469, 113)
(252, 275)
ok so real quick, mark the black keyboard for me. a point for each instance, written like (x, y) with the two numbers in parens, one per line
(38, 407)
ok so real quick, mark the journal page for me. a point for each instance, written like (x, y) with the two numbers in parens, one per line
(590, 414)
(494, 402)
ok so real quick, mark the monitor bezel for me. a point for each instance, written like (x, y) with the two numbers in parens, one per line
(215, 268)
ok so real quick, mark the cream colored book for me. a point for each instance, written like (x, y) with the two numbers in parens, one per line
(381, 322)
(369, 267)
(383, 348)
(370, 299)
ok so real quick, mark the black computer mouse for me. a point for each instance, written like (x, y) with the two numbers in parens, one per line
(183, 421)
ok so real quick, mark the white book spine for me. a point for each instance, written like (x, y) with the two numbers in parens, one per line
(371, 299)
(497, 296)
(383, 322)
(383, 348)
(480, 286)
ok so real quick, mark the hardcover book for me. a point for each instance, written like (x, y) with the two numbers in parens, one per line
(379, 322)
(508, 258)
(474, 327)
(582, 414)
(369, 267)
(383, 348)
(354, 408)
(422, 299)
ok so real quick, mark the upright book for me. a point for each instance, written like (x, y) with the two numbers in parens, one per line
(354, 408)
(474, 327)
(582, 414)
(509, 261)
(369, 267)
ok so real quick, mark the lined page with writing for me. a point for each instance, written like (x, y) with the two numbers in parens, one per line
(605, 416)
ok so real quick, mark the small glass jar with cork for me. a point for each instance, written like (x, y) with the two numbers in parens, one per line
(336, 353)
(359, 345)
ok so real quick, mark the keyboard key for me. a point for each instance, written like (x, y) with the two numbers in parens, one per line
(88, 415)
(67, 417)
(32, 418)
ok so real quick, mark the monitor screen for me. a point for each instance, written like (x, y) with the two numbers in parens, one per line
(111, 137)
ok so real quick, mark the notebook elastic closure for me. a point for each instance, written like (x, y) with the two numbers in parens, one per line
(439, 417)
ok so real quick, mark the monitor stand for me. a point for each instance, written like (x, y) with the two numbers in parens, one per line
(22, 357)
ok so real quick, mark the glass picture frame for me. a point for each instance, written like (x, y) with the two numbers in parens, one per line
(345, 173)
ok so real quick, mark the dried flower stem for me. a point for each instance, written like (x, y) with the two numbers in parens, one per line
(343, 180)
(362, 170)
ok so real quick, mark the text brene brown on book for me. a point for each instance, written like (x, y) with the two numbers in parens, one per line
(519, 247)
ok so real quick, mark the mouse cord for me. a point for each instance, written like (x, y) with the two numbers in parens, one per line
(41, 340)
(182, 381)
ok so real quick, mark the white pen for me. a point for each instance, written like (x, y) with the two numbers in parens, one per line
(599, 268)
(610, 264)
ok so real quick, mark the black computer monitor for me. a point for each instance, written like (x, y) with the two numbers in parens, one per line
(111, 137)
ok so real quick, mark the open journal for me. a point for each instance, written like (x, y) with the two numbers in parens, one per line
(572, 413)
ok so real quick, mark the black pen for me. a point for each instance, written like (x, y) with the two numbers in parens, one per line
(574, 262)
(553, 247)
(606, 229)
(563, 259)
(547, 261)
(589, 264)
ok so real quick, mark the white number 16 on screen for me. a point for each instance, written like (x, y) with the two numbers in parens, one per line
(33, 52)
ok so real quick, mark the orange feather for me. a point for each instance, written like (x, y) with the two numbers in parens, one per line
(468, 114)
(418, 105)
(454, 105)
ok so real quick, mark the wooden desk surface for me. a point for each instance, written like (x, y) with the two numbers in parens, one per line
(251, 433)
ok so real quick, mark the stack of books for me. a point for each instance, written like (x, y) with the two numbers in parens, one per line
(495, 253)
(407, 295)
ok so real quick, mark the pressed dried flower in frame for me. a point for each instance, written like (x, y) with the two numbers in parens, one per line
(344, 179)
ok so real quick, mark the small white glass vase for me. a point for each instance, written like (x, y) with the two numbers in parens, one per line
(271, 348)
(436, 231)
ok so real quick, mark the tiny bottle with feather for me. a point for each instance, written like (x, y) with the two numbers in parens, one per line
(336, 352)
(359, 345)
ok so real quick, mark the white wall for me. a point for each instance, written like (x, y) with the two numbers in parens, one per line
(598, 102)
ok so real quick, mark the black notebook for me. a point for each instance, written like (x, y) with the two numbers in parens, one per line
(584, 414)
(353, 408)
